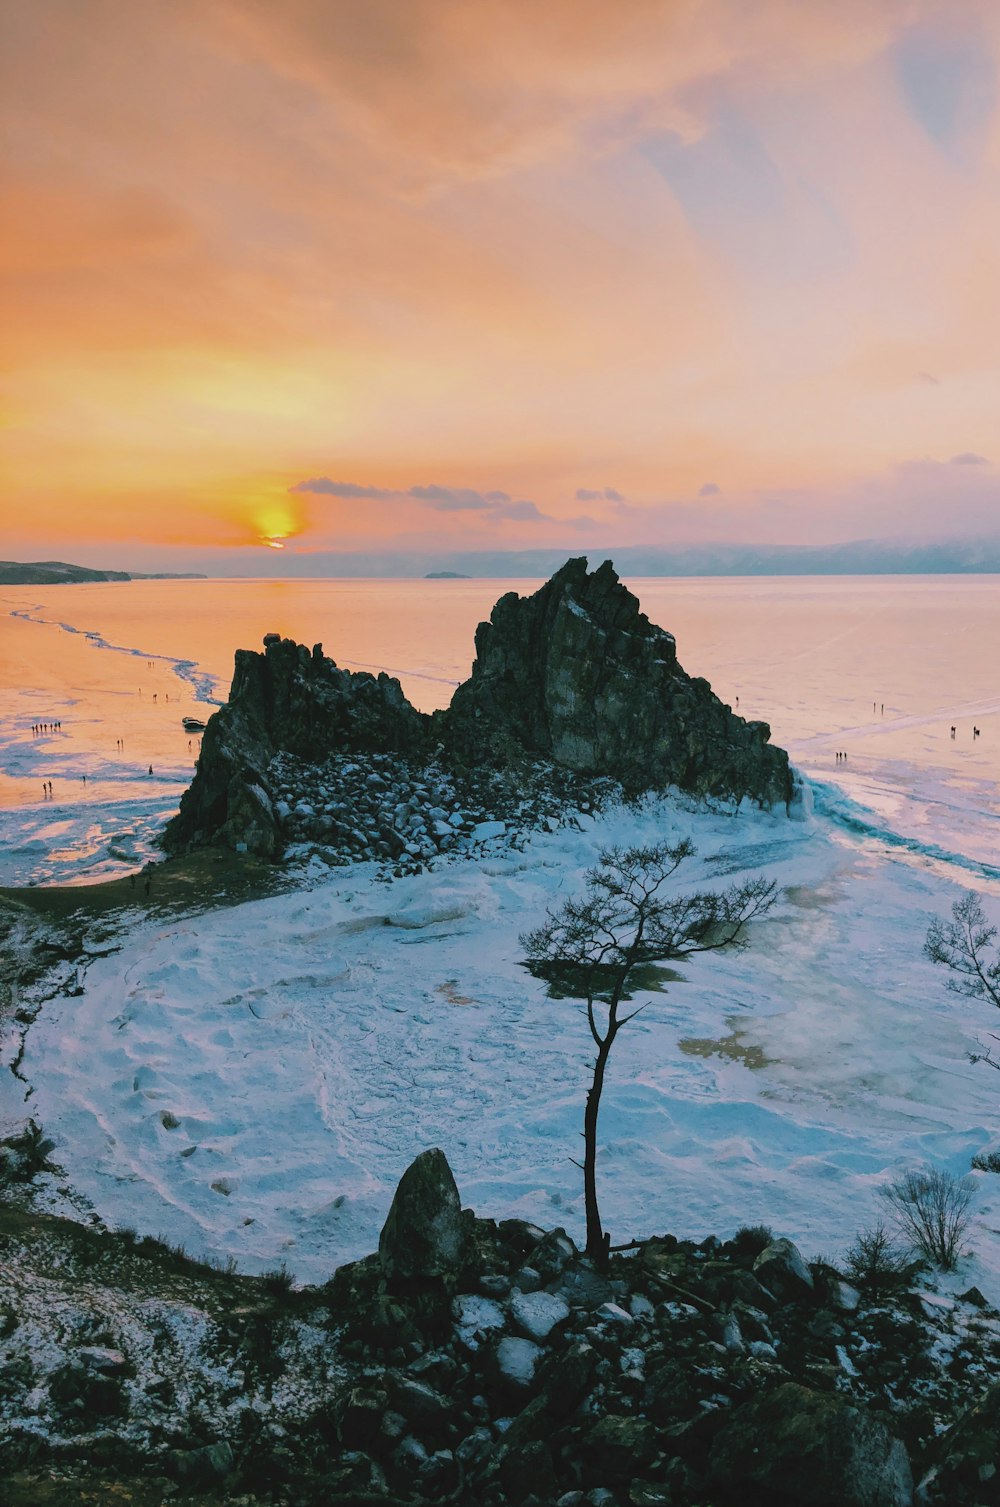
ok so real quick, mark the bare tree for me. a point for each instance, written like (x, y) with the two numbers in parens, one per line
(966, 946)
(931, 1209)
(593, 946)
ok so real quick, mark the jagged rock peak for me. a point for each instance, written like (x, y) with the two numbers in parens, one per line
(577, 674)
(574, 676)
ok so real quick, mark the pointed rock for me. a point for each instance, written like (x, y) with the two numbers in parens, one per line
(423, 1235)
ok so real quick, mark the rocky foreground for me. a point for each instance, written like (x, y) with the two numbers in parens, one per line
(475, 1362)
(571, 687)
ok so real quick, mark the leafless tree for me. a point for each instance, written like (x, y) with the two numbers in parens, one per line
(592, 946)
(931, 1209)
(966, 946)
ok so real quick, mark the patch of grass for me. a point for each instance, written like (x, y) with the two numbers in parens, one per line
(751, 1239)
(24, 1156)
(277, 1283)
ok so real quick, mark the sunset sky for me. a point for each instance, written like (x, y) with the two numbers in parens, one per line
(464, 274)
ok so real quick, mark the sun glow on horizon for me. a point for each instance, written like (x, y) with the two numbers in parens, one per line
(653, 274)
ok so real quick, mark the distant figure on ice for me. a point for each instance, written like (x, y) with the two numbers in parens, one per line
(953, 732)
(151, 769)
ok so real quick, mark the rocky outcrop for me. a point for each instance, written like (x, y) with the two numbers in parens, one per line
(502, 1370)
(285, 700)
(577, 674)
(573, 679)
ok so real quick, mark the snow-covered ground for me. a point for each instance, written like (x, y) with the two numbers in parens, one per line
(253, 1081)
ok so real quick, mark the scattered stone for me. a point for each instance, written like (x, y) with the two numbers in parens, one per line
(536, 1314)
(517, 1361)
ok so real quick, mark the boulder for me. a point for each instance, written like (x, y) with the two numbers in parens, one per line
(516, 1362)
(536, 1314)
(616, 1447)
(964, 1460)
(423, 1236)
(794, 1445)
(782, 1270)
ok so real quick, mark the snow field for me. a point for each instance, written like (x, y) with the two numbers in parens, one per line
(252, 1082)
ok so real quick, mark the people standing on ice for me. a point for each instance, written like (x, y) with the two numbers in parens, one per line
(953, 732)
(151, 769)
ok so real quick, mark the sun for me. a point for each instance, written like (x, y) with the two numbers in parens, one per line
(277, 518)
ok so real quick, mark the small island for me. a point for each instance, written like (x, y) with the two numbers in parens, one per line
(446, 575)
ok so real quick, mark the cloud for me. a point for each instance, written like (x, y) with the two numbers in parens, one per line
(493, 504)
(598, 494)
(466, 500)
(947, 79)
(710, 489)
(927, 380)
(969, 458)
(328, 488)
(452, 499)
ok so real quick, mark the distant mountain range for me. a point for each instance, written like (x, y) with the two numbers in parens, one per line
(859, 557)
(58, 573)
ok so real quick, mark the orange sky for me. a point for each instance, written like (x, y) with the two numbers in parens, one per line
(353, 273)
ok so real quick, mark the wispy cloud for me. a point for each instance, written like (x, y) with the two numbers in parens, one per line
(599, 494)
(494, 504)
(710, 489)
(323, 486)
(969, 458)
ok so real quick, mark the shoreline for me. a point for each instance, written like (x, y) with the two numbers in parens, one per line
(207, 879)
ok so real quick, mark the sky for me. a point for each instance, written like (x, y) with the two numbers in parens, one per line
(340, 275)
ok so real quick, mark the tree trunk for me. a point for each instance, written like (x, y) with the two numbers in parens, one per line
(597, 1246)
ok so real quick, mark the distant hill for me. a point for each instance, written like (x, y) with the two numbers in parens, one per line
(858, 557)
(58, 573)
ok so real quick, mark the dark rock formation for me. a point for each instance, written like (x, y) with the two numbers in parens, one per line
(284, 700)
(574, 678)
(577, 674)
(508, 1372)
(423, 1235)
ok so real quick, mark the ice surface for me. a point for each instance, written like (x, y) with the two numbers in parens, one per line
(254, 1081)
